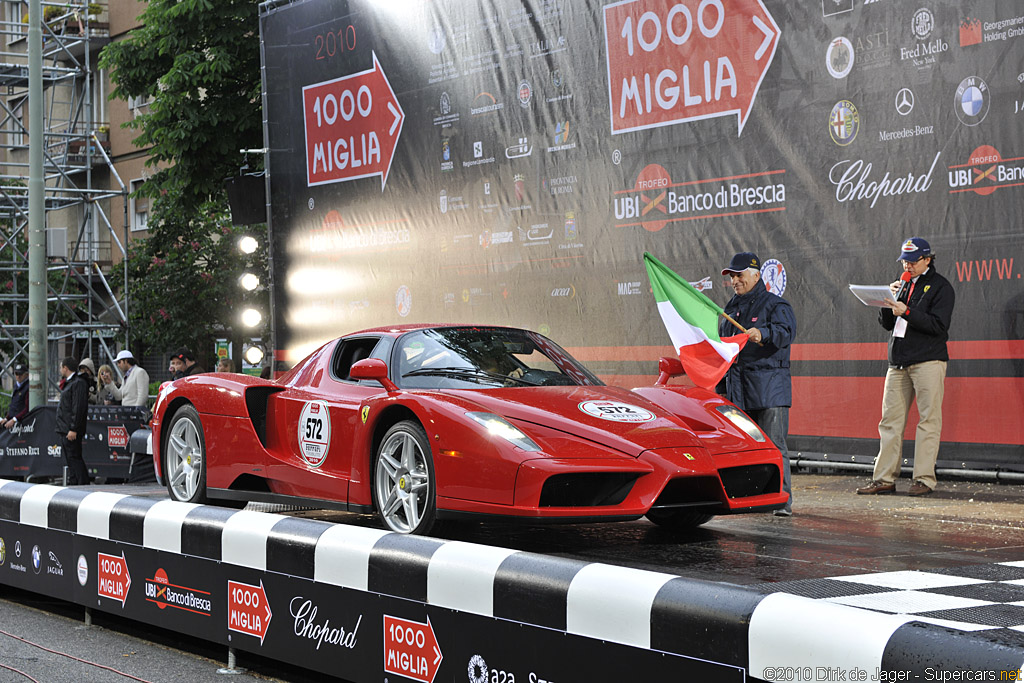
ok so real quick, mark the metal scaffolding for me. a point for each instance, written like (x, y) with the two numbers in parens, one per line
(83, 312)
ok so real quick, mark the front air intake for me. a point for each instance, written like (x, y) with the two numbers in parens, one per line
(750, 480)
(587, 489)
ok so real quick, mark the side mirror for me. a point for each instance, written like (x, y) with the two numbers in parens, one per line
(668, 368)
(372, 368)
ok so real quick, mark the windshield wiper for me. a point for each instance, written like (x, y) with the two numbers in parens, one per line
(463, 373)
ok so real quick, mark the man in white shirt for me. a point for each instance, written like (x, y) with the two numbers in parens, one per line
(134, 391)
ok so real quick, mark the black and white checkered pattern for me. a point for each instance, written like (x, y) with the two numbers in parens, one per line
(910, 617)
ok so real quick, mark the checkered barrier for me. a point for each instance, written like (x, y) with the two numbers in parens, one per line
(368, 605)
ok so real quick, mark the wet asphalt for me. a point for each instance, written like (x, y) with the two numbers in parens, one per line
(833, 532)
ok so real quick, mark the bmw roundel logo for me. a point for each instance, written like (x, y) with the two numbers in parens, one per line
(773, 274)
(37, 559)
(972, 101)
(844, 123)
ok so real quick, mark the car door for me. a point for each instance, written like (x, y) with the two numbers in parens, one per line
(317, 420)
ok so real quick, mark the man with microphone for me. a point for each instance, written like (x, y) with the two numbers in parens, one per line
(919, 326)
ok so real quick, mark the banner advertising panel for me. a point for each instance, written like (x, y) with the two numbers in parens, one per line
(510, 163)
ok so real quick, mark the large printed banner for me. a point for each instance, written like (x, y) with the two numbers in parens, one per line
(32, 448)
(510, 162)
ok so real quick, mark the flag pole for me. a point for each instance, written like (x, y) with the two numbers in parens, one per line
(729, 318)
(738, 326)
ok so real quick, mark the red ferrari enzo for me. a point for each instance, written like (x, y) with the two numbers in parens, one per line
(432, 422)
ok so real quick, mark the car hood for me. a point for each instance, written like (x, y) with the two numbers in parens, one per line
(613, 417)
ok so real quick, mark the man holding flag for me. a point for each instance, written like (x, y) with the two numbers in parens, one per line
(756, 375)
(759, 381)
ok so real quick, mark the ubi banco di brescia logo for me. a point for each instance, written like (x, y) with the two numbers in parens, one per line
(652, 202)
(161, 592)
(855, 181)
(985, 172)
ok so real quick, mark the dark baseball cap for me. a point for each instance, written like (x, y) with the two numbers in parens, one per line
(742, 261)
(914, 249)
(183, 354)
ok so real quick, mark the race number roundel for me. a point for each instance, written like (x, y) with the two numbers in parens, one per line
(616, 412)
(314, 432)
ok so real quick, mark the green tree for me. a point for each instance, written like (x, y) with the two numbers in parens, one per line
(197, 62)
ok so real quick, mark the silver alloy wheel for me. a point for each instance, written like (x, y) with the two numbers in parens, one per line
(185, 459)
(402, 482)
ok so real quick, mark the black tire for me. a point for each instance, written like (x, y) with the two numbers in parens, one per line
(678, 520)
(404, 486)
(184, 457)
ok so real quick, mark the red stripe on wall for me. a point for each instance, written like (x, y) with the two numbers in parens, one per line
(983, 410)
(1012, 349)
(975, 409)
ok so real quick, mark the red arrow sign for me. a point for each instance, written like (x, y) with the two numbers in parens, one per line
(352, 126)
(112, 577)
(410, 649)
(248, 609)
(675, 61)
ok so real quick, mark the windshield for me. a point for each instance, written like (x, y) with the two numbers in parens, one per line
(484, 358)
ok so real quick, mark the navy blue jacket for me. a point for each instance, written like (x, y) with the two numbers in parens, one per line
(19, 402)
(760, 376)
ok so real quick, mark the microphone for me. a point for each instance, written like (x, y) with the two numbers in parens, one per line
(906, 277)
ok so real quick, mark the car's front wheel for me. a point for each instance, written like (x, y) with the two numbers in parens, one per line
(185, 457)
(403, 479)
(678, 520)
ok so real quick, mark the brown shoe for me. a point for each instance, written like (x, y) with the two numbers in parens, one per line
(918, 489)
(877, 487)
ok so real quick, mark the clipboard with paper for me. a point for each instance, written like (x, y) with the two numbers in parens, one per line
(874, 295)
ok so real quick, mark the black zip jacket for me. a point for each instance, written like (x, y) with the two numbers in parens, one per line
(928, 316)
(73, 409)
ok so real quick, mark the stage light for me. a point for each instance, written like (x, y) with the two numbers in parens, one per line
(251, 317)
(249, 282)
(254, 355)
(248, 244)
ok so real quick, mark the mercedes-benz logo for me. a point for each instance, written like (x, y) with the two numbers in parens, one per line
(905, 101)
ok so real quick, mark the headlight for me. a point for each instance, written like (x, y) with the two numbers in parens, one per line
(738, 418)
(499, 426)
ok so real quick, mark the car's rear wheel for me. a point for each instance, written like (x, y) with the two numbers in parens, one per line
(678, 520)
(185, 457)
(403, 479)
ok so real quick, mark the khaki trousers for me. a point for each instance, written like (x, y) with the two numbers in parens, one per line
(926, 381)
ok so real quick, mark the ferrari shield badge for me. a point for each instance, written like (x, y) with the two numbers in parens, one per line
(615, 411)
(364, 413)
(314, 432)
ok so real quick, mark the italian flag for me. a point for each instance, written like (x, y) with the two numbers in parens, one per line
(692, 322)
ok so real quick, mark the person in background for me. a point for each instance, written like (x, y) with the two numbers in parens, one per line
(759, 382)
(183, 364)
(919, 325)
(225, 365)
(135, 389)
(72, 413)
(87, 367)
(18, 408)
(106, 387)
